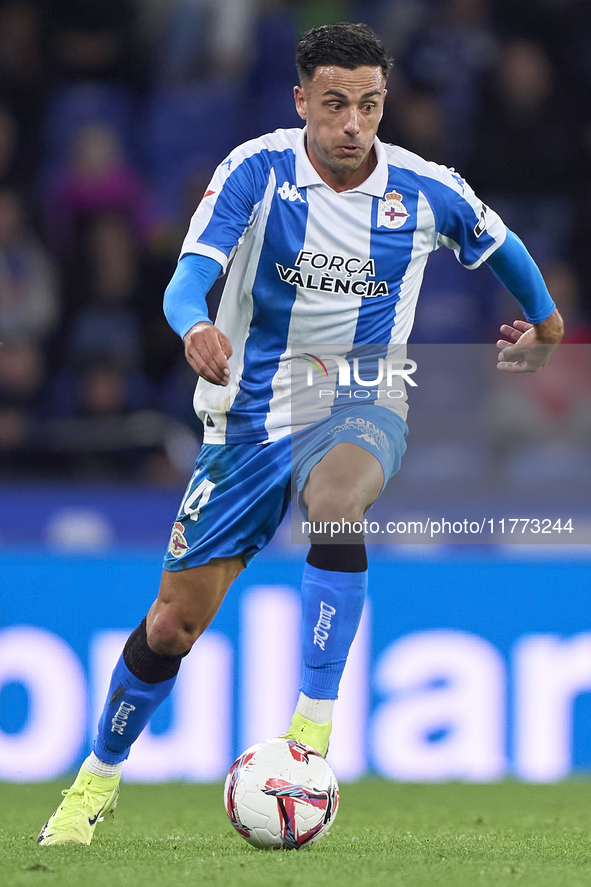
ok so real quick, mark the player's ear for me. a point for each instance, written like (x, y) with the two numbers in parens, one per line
(300, 101)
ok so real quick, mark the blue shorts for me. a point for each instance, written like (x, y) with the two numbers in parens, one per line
(239, 493)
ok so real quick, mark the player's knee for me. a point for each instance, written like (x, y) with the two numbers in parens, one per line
(332, 503)
(170, 633)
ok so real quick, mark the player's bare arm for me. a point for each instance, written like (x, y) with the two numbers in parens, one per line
(526, 347)
(207, 350)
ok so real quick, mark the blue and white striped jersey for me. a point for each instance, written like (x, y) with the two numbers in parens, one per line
(310, 266)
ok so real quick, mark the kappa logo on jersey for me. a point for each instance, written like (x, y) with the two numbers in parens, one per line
(290, 192)
(178, 544)
(391, 211)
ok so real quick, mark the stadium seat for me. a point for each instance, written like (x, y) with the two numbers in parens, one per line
(80, 104)
(187, 129)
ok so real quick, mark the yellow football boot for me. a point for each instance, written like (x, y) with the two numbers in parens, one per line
(87, 802)
(303, 730)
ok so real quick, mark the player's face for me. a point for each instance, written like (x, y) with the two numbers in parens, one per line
(342, 109)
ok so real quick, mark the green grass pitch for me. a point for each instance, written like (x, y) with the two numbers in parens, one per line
(384, 834)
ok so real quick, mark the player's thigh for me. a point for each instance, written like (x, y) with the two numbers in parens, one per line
(187, 602)
(343, 484)
(348, 457)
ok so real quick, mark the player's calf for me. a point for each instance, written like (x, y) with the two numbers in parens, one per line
(334, 586)
(141, 680)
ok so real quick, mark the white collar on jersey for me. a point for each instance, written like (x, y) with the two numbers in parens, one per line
(375, 184)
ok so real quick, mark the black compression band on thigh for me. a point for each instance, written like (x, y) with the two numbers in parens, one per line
(340, 558)
(143, 663)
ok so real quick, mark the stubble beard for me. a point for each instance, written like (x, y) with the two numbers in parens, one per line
(341, 164)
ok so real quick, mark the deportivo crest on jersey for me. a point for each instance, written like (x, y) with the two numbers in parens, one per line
(391, 211)
(178, 544)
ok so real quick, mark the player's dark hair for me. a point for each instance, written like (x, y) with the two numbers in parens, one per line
(345, 45)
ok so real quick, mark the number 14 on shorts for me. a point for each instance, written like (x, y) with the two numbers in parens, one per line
(194, 500)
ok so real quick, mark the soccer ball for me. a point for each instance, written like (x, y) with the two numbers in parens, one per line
(281, 795)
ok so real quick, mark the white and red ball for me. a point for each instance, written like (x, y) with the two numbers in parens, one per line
(281, 795)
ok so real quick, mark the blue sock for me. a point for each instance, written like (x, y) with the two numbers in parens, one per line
(332, 604)
(130, 705)
(141, 681)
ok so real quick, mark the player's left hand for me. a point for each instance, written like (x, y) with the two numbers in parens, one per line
(526, 347)
(519, 351)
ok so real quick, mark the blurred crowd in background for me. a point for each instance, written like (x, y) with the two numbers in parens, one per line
(113, 115)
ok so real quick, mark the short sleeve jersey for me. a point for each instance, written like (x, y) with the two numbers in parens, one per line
(309, 266)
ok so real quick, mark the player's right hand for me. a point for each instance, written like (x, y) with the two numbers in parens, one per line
(207, 350)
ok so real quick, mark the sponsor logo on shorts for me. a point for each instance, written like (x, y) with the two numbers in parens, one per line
(368, 432)
(365, 436)
(178, 544)
(322, 627)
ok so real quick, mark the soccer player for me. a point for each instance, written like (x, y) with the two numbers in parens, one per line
(324, 233)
